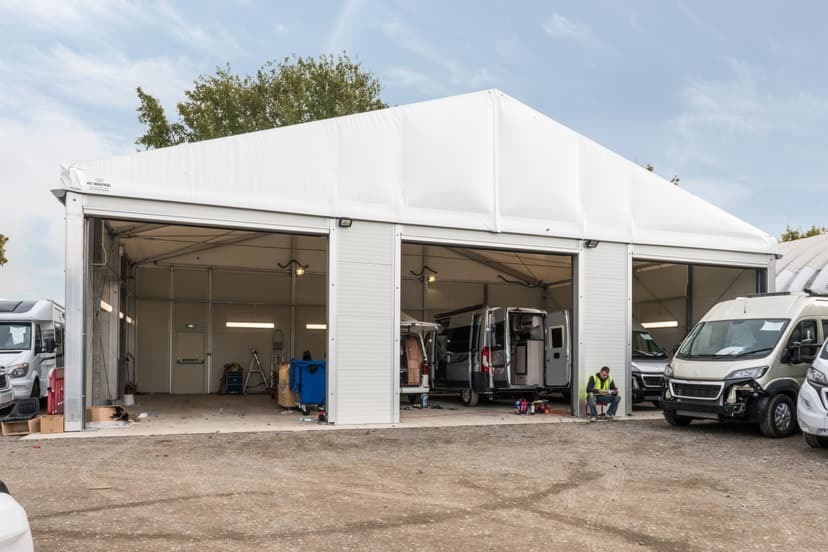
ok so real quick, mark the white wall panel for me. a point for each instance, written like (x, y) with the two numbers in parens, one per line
(604, 317)
(365, 337)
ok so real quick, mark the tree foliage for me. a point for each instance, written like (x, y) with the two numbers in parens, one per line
(674, 181)
(293, 90)
(792, 234)
(3, 240)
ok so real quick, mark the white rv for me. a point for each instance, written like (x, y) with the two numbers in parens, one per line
(31, 344)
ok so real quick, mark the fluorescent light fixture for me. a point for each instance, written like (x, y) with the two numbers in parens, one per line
(259, 325)
(300, 271)
(129, 320)
(663, 324)
(316, 326)
(190, 326)
(106, 306)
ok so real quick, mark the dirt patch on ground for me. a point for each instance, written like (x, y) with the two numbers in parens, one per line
(623, 486)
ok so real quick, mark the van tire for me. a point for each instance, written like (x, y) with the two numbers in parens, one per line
(778, 418)
(676, 420)
(470, 397)
(815, 441)
(36, 389)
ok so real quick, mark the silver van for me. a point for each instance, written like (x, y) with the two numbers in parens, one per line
(502, 351)
(745, 360)
(647, 366)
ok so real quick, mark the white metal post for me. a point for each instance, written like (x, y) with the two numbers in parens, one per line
(76, 297)
(331, 358)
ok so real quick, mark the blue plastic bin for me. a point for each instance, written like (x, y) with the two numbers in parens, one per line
(307, 380)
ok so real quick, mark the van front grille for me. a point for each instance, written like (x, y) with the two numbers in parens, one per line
(3, 382)
(696, 390)
(652, 381)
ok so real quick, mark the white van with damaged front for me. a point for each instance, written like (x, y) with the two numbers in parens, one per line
(745, 360)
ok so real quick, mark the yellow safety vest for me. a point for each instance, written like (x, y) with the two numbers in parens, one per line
(602, 385)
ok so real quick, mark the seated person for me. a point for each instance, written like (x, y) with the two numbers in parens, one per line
(601, 389)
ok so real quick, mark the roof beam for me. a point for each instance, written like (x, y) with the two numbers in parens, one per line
(134, 229)
(500, 267)
(200, 247)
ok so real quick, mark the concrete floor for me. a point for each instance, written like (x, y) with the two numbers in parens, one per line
(199, 414)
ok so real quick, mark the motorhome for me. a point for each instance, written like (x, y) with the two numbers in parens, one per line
(812, 404)
(502, 351)
(745, 360)
(647, 364)
(417, 350)
(31, 344)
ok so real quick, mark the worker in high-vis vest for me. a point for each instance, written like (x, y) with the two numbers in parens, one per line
(602, 390)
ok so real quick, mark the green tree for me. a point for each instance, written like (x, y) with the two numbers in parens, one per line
(791, 234)
(3, 240)
(674, 181)
(293, 90)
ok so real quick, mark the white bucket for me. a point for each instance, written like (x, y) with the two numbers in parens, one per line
(129, 400)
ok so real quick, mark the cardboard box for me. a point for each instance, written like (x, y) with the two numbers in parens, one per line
(414, 359)
(100, 413)
(23, 427)
(285, 396)
(51, 424)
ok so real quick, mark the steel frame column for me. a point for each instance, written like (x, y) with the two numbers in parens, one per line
(75, 356)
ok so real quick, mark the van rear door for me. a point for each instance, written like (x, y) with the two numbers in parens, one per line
(498, 344)
(558, 365)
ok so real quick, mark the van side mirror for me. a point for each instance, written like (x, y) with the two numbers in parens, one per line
(49, 345)
(792, 354)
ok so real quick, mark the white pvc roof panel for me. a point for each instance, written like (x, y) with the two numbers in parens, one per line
(480, 161)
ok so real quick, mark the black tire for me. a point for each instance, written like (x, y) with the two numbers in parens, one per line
(778, 419)
(657, 404)
(676, 420)
(36, 389)
(815, 441)
(412, 399)
(470, 397)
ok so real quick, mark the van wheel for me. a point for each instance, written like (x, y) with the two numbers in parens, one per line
(36, 389)
(470, 397)
(816, 441)
(675, 420)
(778, 419)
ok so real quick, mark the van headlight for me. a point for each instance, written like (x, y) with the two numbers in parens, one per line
(817, 377)
(668, 371)
(18, 370)
(748, 373)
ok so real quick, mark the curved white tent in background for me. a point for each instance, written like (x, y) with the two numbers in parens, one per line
(803, 265)
(480, 171)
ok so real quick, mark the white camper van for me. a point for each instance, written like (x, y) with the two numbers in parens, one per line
(31, 344)
(502, 351)
(812, 404)
(745, 360)
(647, 365)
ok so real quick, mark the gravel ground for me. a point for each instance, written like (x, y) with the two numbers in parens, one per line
(631, 485)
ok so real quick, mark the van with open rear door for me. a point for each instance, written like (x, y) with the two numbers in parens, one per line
(502, 352)
(417, 348)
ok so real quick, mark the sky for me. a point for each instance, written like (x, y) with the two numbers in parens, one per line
(731, 96)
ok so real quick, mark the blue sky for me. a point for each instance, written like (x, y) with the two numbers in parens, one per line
(731, 96)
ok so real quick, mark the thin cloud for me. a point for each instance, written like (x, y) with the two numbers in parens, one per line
(560, 27)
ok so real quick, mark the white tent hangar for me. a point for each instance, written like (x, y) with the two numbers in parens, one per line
(803, 264)
(480, 170)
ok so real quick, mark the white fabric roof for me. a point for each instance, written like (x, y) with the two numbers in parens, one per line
(804, 264)
(480, 161)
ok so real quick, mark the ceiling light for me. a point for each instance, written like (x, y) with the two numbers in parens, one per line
(190, 326)
(663, 324)
(128, 320)
(300, 271)
(121, 315)
(258, 325)
(316, 326)
(106, 306)
(431, 278)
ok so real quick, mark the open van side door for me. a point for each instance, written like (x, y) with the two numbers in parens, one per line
(558, 350)
(497, 340)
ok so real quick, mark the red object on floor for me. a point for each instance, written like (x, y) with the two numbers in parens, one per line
(54, 396)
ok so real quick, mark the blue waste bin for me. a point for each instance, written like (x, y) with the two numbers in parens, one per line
(307, 380)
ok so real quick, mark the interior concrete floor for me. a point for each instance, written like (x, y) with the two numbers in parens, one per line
(198, 414)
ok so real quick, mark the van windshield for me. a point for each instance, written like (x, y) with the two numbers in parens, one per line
(644, 346)
(15, 336)
(729, 339)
